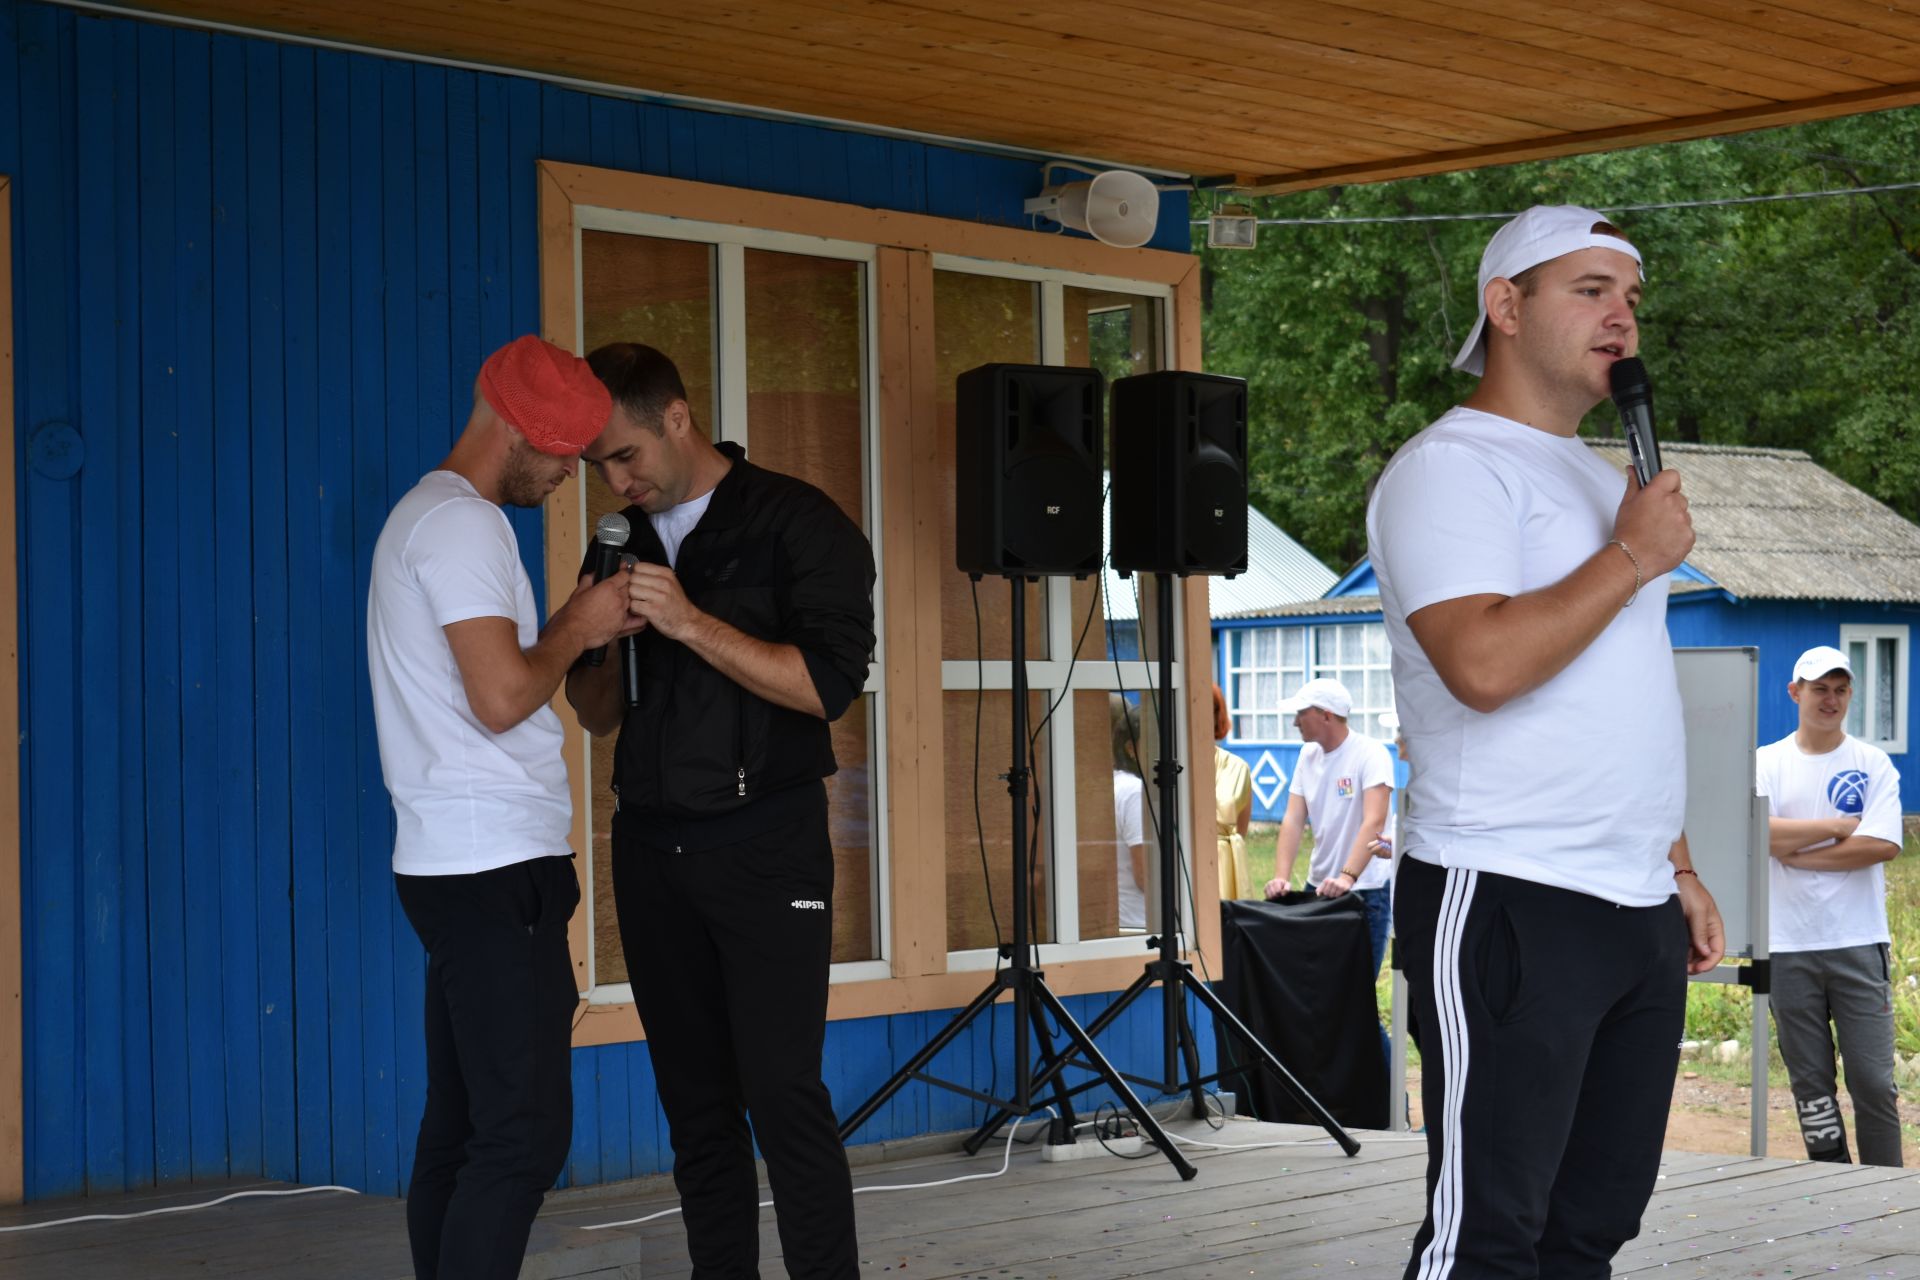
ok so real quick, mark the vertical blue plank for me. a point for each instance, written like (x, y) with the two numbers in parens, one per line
(272, 715)
(344, 721)
(160, 603)
(583, 1159)
(463, 251)
(136, 1036)
(372, 106)
(231, 774)
(870, 176)
(199, 675)
(602, 114)
(683, 144)
(646, 1132)
(51, 887)
(626, 137)
(308, 621)
(493, 205)
(610, 1112)
(99, 695)
(527, 143)
(656, 138)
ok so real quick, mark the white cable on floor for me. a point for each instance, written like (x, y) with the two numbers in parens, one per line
(178, 1208)
(1006, 1162)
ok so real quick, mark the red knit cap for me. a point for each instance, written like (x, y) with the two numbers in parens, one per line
(548, 395)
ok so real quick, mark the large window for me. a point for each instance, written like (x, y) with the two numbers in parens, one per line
(1267, 665)
(1880, 661)
(771, 337)
(997, 313)
(826, 339)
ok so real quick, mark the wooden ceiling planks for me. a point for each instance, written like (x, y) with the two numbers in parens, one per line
(1275, 94)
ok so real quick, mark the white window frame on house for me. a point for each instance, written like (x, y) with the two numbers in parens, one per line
(1311, 666)
(1870, 676)
(730, 244)
(1060, 677)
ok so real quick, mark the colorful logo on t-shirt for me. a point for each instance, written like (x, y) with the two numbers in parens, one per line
(1847, 790)
(1345, 786)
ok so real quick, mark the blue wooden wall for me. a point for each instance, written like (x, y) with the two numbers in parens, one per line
(258, 280)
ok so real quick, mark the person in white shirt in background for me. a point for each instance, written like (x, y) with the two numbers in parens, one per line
(462, 674)
(1547, 919)
(1342, 787)
(1835, 823)
(1129, 827)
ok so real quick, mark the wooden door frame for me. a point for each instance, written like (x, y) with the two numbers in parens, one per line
(13, 1131)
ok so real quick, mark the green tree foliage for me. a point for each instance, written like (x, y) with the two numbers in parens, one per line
(1793, 324)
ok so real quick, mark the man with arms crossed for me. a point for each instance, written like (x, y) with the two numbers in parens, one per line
(1835, 806)
(461, 675)
(1341, 788)
(1548, 921)
(757, 593)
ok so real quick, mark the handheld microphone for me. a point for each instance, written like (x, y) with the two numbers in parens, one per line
(630, 651)
(609, 536)
(1633, 395)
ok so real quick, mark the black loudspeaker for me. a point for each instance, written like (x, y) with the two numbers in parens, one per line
(1027, 441)
(1180, 474)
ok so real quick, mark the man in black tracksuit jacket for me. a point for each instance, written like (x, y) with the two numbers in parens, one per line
(757, 593)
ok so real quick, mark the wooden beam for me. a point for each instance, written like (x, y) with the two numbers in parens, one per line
(1880, 98)
(737, 207)
(564, 552)
(13, 1129)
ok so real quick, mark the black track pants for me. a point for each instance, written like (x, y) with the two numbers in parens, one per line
(1550, 1031)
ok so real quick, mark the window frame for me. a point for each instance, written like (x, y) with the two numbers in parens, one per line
(905, 473)
(1865, 683)
(1311, 667)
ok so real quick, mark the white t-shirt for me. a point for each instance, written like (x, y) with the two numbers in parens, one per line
(676, 522)
(1823, 910)
(1334, 785)
(465, 799)
(1580, 784)
(1128, 830)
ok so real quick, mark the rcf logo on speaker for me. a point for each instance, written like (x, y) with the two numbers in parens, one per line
(808, 904)
(1053, 510)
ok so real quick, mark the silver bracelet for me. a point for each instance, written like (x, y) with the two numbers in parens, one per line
(1615, 542)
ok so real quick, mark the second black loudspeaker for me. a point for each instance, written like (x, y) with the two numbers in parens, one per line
(1027, 440)
(1180, 473)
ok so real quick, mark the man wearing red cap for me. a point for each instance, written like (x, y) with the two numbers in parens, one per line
(757, 591)
(1548, 920)
(462, 674)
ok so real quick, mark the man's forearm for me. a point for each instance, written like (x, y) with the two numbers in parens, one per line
(775, 672)
(1847, 855)
(1789, 835)
(1286, 850)
(595, 693)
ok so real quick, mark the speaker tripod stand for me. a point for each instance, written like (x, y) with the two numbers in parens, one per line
(1173, 974)
(1032, 1000)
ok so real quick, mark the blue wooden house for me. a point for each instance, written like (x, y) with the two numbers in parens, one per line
(251, 258)
(1787, 556)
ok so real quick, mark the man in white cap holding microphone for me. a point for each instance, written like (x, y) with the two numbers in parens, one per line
(1546, 909)
(1834, 803)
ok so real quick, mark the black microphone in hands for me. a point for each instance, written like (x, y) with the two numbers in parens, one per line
(630, 653)
(1633, 396)
(609, 537)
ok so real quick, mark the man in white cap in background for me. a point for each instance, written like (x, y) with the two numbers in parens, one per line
(1547, 923)
(1835, 820)
(1342, 788)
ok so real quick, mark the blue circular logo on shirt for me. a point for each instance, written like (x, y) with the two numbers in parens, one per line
(1848, 791)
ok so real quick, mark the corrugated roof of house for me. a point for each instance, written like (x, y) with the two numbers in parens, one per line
(1279, 572)
(1772, 524)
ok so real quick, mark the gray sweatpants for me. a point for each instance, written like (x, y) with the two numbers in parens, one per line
(1851, 988)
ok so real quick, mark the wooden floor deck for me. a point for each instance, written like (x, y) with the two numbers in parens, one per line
(1294, 1210)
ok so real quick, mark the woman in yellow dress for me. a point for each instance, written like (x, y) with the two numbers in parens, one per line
(1232, 808)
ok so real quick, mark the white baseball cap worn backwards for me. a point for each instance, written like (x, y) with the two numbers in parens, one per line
(1325, 693)
(1541, 234)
